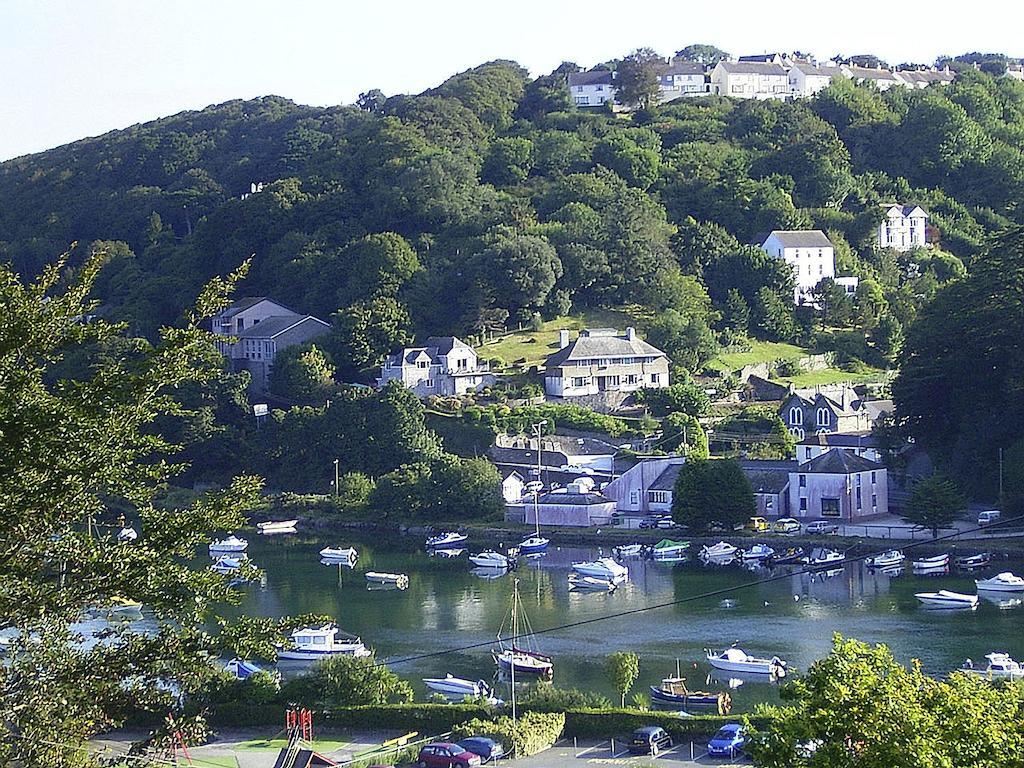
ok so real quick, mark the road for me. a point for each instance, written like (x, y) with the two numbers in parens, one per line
(600, 754)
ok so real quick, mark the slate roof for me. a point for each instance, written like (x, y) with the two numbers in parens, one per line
(251, 301)
(836, 461)
(867, 73)
(273, 326)
(593, 77)
(841, 440)
(445, 344)
(752, 68)
(683, 68)
(773, 481)
(905, 210)
(573, 499)
(580, 446)
(876, 408)
(666, 481)
(926, 76)
(764, 465)
(800, 238)
(817, 69)
(527, 457)
(586, 347)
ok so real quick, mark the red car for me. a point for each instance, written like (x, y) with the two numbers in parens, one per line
(445, 755)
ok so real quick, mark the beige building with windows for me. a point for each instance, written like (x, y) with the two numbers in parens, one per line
(603, 360)
(445, 366)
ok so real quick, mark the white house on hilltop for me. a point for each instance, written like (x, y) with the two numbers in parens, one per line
(750, 80)
(443, 366)
(806, 79)
(682, 78)
(261, 328)
(602, 360)
(904, 227)
(592, 89)
(809, 252)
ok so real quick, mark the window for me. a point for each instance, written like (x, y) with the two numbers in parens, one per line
(422, 364)
(319, 641)
(579, 381)
(830, 508)
(583, 100)
(599, 88)
(803, 504)
(634, 498)
(796, 416)
(655, 378)
(429, 383)
(658, 497)
(824, 417)
(872, 478)
(874, 501)
(858, 499)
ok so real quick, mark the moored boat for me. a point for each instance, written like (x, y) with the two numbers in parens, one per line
(457, 687)
(602, 568)
(533, 545)
(931, 565)
(790, 556)
(242, 669)
(670, 551)
(123, 608)
(758, 551)
(491, 559)
(736, 660)
(889, 559)
(824, 558)
(1001, 582)
(1000, 667)
(446, 540)
(720, 551)
(277, 526)
(339, 556)
(228, 563)
(673, 691)
(313, 643)
(970, 562)
(577, 581)
(230, 544)
(630, 550)
(396, 580)
(514, 659)
(944, 598)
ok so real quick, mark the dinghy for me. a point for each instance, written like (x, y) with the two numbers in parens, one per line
(339, 556)
(230, 544)
(277, 526)
(890, 559)
(931, 565)
(457, 687)
(396, 580)
(947, 599)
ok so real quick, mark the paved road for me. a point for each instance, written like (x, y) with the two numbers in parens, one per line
(566, 756)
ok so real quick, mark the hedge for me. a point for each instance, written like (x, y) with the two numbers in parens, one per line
(532, 732)
(430, 719)
(605, 723)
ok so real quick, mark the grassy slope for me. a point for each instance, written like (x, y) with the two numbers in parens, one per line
(760, 352)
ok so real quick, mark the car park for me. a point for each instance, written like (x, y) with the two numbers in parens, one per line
(822, 527)
(649, 740)
(443, 754)
(728, 742)
(786, 525)
(487, 748)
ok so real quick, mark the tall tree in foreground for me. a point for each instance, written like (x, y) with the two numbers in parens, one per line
(636, 81)
(934, 503)
(712, 490)
(73, 454)
(860, 707)
(623, 668)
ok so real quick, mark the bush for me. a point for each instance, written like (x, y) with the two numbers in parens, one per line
(602, 724)
(431, 719)
(533, 732)
(544, 697)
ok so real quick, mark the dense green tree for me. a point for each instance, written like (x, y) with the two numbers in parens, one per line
(934, 503)
(636, 81)
(521, 268)
(636, 164)
(687, 340)
(622, 668)
(684, 395)
(736, 313)
(366, 331)
(834, 305)
(708, 55)
(302, 374)
(888, 338)
(352, 681)
(860, 707)
(772, 316)
(683, 433)
(712, 490)
(509, 161)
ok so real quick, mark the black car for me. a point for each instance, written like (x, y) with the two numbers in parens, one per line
(649, 740)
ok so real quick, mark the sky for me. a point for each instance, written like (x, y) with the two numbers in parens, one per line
(76, 68)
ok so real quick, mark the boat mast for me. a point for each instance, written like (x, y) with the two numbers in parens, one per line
(536, 494)
(512, 650)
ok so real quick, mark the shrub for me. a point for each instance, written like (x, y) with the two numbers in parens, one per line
(602, 724)
(434, 719)
(544, 697)
(533, 732)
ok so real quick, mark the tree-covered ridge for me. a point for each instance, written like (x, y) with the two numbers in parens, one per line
(492, 198)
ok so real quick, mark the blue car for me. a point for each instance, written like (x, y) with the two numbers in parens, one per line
(488, 749)
(729, 741)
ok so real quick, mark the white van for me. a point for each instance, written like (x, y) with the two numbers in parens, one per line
(989, 516)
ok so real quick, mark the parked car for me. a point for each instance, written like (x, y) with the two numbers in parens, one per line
(756, 524)
(443, 754)
(729, 740)
(577, 468)
(821, 526)
(488, 749)
(649, 740)
(667, 523)
(649, 522)
(989, 516)
(786, 525)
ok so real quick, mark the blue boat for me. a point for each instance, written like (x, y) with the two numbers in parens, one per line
(673, 691)
(533, 545)
(242, 669)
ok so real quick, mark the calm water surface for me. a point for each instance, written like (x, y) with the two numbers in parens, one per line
(447, 606)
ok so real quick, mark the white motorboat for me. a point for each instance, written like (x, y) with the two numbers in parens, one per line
(491, 559)
(1000, 667)
(1001, 582)
(824, 558)
(889, 559)
(447, 554)
(576, 581)
(228, 564)
(230, 544)
(670, 551)
(457, 687)
(630, 550)
(313, 643)
(127, 534)
(446, 540)
(758, 552)
(736, 660)
(123, 608)
(339, 556)
(603, 568)
(719, 551)
(930, 565)
(277, 526)
(396, 580)
(946, 599)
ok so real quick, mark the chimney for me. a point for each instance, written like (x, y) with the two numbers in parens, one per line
(631, 333)
(563, 339)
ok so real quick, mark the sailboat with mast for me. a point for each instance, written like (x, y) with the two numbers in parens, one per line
(513, 658)
(536, 544)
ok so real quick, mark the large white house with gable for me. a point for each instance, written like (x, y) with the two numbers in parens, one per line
(750, 80)
(595, 88)
(809, 252)
(904, 227)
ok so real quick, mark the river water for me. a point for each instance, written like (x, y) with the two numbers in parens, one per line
(448, 606)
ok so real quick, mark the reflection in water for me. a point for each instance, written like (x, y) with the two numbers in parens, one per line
(447, 606)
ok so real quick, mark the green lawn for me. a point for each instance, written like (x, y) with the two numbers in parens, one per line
(535, 346)
(321, 745)
(760, 352)
(831, 376)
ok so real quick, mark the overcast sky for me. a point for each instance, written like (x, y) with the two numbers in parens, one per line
(76, 68)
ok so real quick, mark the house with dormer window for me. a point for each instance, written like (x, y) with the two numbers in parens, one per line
(824, 411)
(444, 366)
(903, 228)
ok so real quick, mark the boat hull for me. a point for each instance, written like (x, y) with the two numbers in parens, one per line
(533, 546)
(524, 664)
(300, 654)
(277, 526)
(989, 585)
(698, 700)
(454, 686)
